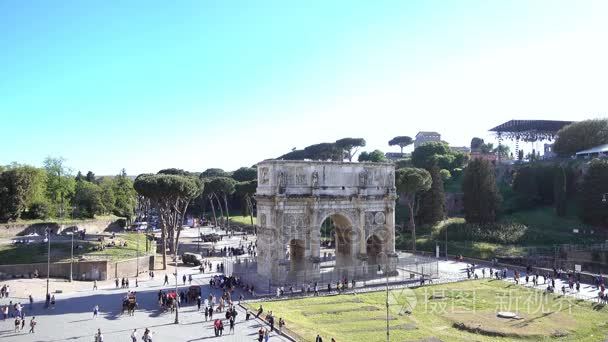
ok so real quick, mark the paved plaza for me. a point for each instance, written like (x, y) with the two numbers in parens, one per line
(72, 317)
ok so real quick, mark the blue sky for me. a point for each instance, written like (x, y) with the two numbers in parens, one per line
(147, 85)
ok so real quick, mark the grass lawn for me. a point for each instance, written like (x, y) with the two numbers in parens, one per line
(466, 312)
(60, 250)
(545, 229)
(242, 220)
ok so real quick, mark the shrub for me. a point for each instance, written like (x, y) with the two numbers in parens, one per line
(39, 210)
(445, 174)
(499, 232)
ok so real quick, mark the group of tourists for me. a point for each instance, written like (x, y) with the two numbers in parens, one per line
(20, 324)
(124, 283)
(308, 288)
(320, 339)
(146, 337)
(571, 279)
(17, 311)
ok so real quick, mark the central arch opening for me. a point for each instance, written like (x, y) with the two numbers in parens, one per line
(337, 243)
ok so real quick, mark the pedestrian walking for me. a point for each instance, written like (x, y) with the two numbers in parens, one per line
(134, 335)
(198, 303)
(95, 311)
(22, 321)
(319, 338)
(184, 279)
(190, 279)
(206, 313)
(94, 284)
(166, 280)
(17, 323)
(99, 336)
(231, 325)
(116, 282)
(32, 325)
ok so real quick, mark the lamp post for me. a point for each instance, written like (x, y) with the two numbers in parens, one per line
(383, 255)
(387, 317)
(198, 240)
(176, 293)
(48, 264)
(137, 253)
(72, 258)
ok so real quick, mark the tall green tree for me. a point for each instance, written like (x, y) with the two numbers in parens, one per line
(224, 187)
(88, 199)
(170, 195)
(245, 174)
(526, 187)
(401, 141)
(245, 191)
(15, 186)
(350, 146)
(593, 210)
(108, 198)
(410, 182)
(432, 202)
(560, 188)
(438, 154)
(90, 177)
(125, 196)
(60, 184)
(580, 136)
(324, 151)
(481, 197)
(175, 171)
(476, 144)
(503, 151)
(214, 172)
(376, 156)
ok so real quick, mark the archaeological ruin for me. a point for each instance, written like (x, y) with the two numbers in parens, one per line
(295, 198)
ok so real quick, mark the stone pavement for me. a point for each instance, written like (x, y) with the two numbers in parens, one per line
(72, 318)
(456, 269)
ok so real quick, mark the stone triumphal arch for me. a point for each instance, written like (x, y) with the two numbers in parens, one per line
(294, 198)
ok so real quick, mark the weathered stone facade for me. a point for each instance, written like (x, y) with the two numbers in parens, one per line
(294, 198)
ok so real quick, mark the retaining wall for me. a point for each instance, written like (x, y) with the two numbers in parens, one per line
(82, 270)
(92, 226)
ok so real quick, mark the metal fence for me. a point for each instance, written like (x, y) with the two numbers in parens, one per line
(407, 269)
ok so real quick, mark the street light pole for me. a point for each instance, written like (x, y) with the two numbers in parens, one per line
(72, 258)
(176, 293)
(137, 248)
(48, 263)
(387, 318)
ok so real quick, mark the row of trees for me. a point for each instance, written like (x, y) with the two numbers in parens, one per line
(172, 193)
(53, 192)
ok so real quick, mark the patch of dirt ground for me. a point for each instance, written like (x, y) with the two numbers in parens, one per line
(554, 324)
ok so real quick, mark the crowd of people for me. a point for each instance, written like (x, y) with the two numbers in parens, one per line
(571, 280)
